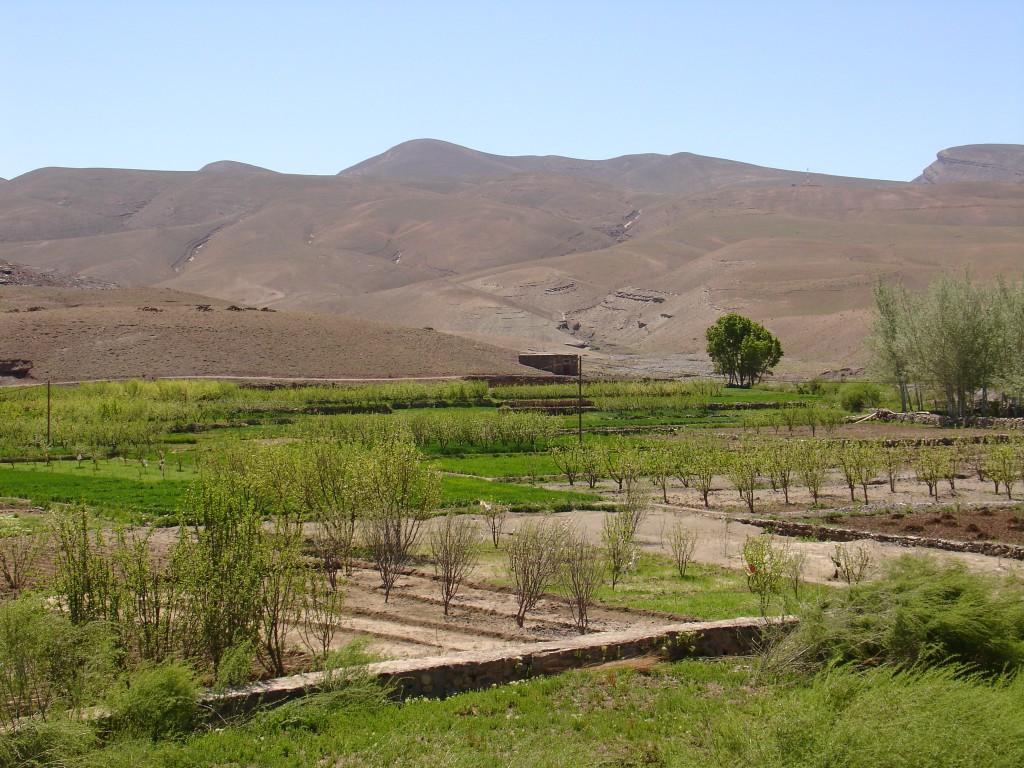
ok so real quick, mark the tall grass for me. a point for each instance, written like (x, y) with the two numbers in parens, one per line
(919, 613)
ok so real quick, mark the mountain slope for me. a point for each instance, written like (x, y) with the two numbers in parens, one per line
(679, 174)
(77, 335)
(631, 255)
(978, 162)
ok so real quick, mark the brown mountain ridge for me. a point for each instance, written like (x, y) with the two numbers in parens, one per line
(634, 255)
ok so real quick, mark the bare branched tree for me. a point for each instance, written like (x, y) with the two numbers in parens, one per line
(19, 558)
(453, 548)
(321, 611)
(582, 574)
(683, 543)
(495, 515)
(534, 559)
(853, 564)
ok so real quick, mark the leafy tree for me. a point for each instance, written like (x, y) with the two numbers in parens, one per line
(957, 337)
(742, 350)
(888, 338)
(224, 553)
(401, 492)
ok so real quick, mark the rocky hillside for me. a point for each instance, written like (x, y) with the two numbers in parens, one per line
(632, 255)
(980, 162)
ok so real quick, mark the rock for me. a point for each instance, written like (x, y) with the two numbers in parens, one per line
(19, 369)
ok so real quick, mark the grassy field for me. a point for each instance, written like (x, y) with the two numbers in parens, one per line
(115, 490)
(131, 493)
(707, 592)
(689, 713)
(518, 465)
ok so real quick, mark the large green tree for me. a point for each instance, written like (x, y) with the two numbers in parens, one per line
(742, 350)
(952, 340)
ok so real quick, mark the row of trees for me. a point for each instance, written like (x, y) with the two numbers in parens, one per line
(444, 428)
(783, 465)
(957, 338)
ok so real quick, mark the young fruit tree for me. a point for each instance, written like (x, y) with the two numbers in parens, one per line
(582, 574)
(535, 555)
(618, 536)
(495, 515)
(453, 548)
(400, 492)
(683, 543)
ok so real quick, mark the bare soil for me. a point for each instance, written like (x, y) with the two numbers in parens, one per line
(74, 335)
(985, 523)
(412, 623)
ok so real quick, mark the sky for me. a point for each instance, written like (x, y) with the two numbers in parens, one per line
(869, 89)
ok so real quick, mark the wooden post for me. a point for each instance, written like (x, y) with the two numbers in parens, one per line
(579, 399)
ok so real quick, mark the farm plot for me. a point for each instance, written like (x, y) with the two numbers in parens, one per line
(482, 617)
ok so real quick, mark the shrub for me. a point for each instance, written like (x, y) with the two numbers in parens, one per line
(883, 717)
(158, 702)
(918, 613)
(52, 742)
(857, 397)
(48, 663)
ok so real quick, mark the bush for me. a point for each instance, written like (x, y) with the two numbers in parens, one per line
(917, 614)
(46, 662)
(53, 742)
(857, 397)
(158, 702)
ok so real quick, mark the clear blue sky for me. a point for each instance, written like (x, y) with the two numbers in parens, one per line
(871, 89)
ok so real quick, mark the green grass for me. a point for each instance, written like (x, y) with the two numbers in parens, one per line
(689, 713)
(116, 490)
(500, 465)
(707, 592)
(464, 491)
(119, 491)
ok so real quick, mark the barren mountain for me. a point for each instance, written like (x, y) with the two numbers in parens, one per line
(635, 255)
(72, 334)
(679, 174)
(980, 162)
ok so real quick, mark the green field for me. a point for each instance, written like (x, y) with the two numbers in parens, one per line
(689, 713)
(129, 493)
(115, 490)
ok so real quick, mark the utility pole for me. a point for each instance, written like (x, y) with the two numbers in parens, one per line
(48, 410)
(579, 398)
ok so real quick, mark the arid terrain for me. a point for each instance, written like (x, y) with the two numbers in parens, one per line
(80, 334)
(632, 256)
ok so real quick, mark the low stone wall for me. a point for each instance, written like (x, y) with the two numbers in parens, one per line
(931, 419)
(442, 676)
(828, 533)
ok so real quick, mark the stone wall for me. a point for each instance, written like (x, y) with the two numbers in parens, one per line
(443, 676)
(828, 533)
(934, 420)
